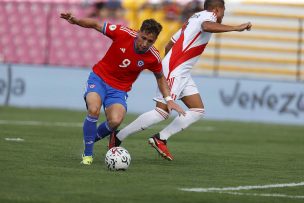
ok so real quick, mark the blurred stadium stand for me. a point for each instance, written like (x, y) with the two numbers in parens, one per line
(31, 32)
(273, 49)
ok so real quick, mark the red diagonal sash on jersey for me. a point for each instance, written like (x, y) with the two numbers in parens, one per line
(178, 56)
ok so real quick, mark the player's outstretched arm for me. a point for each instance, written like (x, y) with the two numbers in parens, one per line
(164, 89)
(84, 22)
(217, 27)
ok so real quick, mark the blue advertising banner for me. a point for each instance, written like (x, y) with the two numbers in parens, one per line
(224, 98)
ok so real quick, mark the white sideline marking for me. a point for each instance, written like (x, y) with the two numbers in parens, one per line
(249, 187)
(14, 139)
(264, 195)
(226, 190)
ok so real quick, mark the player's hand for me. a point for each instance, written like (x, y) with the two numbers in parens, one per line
(245, 26)
(69, 17)
(174, 106)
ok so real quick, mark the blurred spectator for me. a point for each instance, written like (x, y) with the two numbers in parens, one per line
(172, 10)
(115, 9)
(190, 8)
(111, 9)
(100, 10)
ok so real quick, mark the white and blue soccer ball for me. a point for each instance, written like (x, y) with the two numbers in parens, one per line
(117, 158)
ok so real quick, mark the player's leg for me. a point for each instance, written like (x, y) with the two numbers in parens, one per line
(177, 84)
(103, 130)
(145, 120)
(93, 102)
(192, 99)
(194, 113)
(115, 106)
(115, 101)
(115, 115)
(186, 90)
(93, 97)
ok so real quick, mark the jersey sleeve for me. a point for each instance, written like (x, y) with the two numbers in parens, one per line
(156, 68)
(209, 16)
(111, 30)
(176, 36)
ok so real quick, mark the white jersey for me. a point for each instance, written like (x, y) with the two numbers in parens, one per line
(190, 42)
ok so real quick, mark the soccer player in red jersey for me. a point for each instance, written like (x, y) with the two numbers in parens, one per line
(130, 53)
(182, 52)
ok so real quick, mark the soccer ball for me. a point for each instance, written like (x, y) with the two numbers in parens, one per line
(117, 158)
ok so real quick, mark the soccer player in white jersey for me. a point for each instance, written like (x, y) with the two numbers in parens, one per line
(182, 52)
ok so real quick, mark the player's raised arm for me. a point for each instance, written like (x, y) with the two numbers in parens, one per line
(164, 89)
(83, 22)
(215, 27)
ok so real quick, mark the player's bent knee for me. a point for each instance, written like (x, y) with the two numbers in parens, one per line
(93, 111)
(115, 122)
(198, 112)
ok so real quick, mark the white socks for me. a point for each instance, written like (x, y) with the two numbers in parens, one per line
(157, 115)
(142, 122)
(181, 122)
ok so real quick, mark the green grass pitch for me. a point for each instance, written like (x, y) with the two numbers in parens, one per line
(45, 166)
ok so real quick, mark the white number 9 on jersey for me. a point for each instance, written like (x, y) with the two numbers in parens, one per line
(125, 63)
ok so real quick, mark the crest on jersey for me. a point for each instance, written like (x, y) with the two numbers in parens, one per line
(112, 27)
(140, 63)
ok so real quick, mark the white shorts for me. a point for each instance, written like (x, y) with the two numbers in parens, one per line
(179, 88)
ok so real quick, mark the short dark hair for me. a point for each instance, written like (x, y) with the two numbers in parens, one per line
(211, 4)
(151, 26)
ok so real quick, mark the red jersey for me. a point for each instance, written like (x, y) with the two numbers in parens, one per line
(121, 65)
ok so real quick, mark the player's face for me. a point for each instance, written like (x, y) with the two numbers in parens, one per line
(144, 41)
(220, 11)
